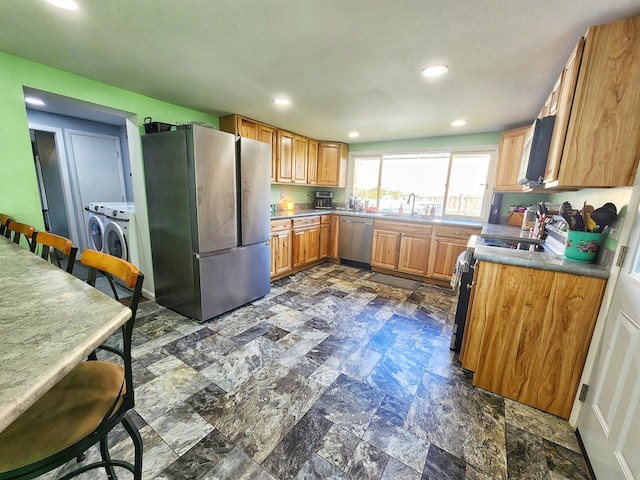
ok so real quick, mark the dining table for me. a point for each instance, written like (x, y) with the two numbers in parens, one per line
(49, 322)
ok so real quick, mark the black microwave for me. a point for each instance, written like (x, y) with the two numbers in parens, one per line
(536, 151)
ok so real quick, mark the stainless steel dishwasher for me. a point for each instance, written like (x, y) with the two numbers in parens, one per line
(354, 238)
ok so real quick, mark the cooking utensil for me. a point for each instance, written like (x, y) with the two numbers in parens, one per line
(604, 216)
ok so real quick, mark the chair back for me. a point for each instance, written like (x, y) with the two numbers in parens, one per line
(19, 229)
(52, 245)
(4, 219)
(132, 278)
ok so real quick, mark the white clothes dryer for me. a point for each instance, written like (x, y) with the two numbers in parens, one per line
(95, 226)
(117, 241)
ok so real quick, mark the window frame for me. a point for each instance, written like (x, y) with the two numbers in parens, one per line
(451, 152)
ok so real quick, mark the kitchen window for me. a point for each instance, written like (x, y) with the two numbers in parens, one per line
(444, 183)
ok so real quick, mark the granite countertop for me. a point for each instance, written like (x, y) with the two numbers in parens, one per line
(400, 218)
(539, 260)
(509, 233)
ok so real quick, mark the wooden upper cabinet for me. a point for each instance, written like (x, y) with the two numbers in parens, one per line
(312, 162)
(602, 143)
(248, 128)
(300, 149)
(267, 134)
(332, 164)
(509, 155)
(284, 171)
(567, 87)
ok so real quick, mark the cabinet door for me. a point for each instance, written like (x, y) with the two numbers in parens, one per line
(508, 163)
(300, 159)
(384, 250)
(313, 244)
(299, 247)
(247, 128)
(325, 237)
(273, 253)
(285, 157)
(282, 260)
(312, 162)
(414, 254)
(602, 146)
(267, 134)
(334, 230)
(332, 164)
(567, 88)
(444, 253)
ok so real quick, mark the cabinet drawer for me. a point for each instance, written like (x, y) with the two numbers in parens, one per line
(277, 225)
(324, 219)
(456, 232)
(402, 227)
(306, 221)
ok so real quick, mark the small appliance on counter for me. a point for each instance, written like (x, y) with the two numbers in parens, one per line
(324, 200)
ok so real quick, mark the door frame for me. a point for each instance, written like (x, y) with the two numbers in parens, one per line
(63, 162)
(624, 241)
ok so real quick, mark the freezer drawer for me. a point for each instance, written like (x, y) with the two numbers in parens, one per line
(232, 279)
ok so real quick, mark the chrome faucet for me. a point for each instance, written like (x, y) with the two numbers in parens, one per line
(413, 204)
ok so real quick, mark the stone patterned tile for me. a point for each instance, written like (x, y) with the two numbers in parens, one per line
(545, 425)
(237, 465)
(297, 446)
(330, 375)
(317, 468)
(442, 465)
(238, 366)
(525, 454)
(258, 414)
(350, 404)
(564, 463)
(398, 443)
(200, 459)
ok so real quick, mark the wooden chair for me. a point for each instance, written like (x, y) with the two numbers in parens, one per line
(81, 409)
(4, 219)
(19, 229)
(52, 246)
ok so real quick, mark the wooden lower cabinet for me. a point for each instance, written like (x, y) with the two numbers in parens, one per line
(334, 230)
(447, 243)
(280, 244)
(403, 247)
(306, 240)
(529, 332)
(325, 236)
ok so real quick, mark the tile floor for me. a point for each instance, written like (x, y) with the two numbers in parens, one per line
(329, 376)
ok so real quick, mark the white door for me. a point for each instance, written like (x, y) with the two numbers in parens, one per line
(97, 163)
(609, 422)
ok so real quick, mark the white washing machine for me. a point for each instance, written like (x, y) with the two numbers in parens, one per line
(119, 230)
(95, 226)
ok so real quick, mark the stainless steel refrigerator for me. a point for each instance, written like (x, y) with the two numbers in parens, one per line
(208, 198)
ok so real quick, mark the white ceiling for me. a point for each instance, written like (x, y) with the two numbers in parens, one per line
(345, 64)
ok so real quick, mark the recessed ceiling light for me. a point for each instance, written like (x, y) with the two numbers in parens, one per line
(354, 134)
(458, 123)
(66, 4)
(281, 101)
(434, 71)
(33, 101)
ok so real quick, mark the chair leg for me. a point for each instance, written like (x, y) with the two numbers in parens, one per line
(137, 444)
(104, 452)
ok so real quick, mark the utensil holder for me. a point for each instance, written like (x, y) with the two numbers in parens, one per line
(582, 246)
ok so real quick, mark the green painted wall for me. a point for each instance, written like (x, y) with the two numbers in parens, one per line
(421, 144)
(19, 195)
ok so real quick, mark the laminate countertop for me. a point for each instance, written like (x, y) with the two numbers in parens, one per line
(49, 322)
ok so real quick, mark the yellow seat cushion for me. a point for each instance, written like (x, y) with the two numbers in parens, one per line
(68, 412)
